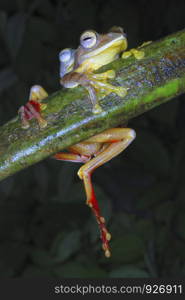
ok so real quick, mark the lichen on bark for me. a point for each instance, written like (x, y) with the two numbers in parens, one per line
(157, 78)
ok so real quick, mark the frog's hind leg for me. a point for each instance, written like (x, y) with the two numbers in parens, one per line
(91, 198)
(33, 107)
(113, 141)
(73, 157)
(116, 139)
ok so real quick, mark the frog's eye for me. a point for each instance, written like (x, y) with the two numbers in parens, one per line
(65, 55)
(88, 39)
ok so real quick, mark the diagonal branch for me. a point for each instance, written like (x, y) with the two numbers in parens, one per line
(157, 78)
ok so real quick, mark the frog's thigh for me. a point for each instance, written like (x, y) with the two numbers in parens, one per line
(119, 139)
(80, 152)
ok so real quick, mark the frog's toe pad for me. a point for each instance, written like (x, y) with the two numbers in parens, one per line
(126, 54)
(42, 123)
(25, 125)
(111, 74)
(121, 91)
(43, 106)
(139, 54)
(97, 109)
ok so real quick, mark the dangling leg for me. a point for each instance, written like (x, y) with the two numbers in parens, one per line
(93, 204)
(33, 107)
(118, 139)
(111, 142)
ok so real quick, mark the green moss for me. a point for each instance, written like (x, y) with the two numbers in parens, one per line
(169, 89)
(158, 77)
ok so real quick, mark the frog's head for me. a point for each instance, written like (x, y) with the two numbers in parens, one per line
(97, 50)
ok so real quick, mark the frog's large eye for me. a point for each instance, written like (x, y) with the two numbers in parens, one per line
(88, 39)
(65, 55)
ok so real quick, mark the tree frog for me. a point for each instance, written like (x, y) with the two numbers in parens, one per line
(76, 67)
(95, 50)
(94, 151)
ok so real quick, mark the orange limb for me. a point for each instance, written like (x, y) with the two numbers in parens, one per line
(102, 147)
(71, 157)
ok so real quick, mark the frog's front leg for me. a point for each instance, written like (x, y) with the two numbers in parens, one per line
(32, 109)
(94, 83)
(99, 84)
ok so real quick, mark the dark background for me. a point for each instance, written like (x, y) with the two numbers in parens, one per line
(45, 227)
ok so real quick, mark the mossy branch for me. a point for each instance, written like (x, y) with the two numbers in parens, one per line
(157, 78)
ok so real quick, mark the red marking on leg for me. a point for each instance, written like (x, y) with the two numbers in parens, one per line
(36, 105)
(114, 141)
(104, 234)
(28, 114)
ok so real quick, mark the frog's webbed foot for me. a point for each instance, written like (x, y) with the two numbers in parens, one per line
(112, 142)
(105, 89)
(98, 87)
(138, 54)
(32, 109)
